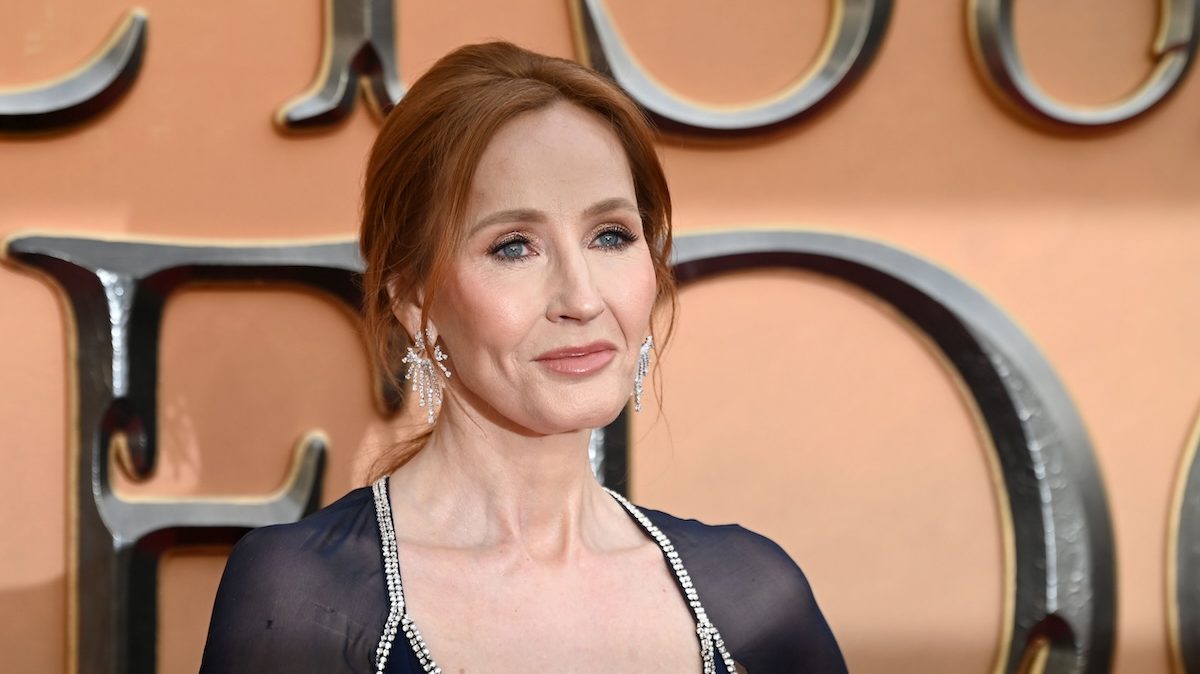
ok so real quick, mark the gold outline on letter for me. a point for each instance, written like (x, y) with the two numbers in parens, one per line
(65, 100)
(1187, 465)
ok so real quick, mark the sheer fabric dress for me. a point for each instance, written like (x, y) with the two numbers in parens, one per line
(312, 596)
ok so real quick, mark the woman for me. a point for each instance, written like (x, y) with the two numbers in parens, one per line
(516, 233)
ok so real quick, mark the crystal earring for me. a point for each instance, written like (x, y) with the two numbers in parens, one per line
(642, 369)
(422, 375)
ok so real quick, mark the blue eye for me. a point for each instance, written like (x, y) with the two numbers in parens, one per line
(615, 238)
(511, 250)
(609, 239)
(514, 249)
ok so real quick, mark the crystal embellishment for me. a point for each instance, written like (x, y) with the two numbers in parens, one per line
(398, 620)
(710, 637)
(422, 376)
(643, 368)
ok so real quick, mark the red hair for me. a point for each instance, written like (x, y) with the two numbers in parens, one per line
(422, 164)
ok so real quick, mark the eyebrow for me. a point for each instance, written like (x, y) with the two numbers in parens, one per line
(534, 215)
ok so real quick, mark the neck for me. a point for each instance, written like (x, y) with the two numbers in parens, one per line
(479, 484)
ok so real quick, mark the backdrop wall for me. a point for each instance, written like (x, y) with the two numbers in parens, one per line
(794, 404)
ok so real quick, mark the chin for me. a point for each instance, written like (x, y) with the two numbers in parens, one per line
(589, 417)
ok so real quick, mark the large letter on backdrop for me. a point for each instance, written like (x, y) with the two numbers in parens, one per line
(115, 291)
(359, 43)
(84, 93)
(857, 28)
(1061, 595)
(995, 46)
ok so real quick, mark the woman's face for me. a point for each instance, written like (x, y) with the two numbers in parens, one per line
(554, 258)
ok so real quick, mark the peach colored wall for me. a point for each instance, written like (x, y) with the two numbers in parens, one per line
(840, 432)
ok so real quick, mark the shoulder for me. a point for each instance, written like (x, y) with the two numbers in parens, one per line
(757, 596)
(306, 593)
(351, 515)
(710, 534)
(280, 562)
(760, 568)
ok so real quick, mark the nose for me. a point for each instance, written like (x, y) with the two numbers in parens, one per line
(573, 292)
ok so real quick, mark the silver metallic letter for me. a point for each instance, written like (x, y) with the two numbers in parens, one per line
(857, 28)
(1061, 604)
(359, 43)
(994, 43)
(84, 93)
(115, 291)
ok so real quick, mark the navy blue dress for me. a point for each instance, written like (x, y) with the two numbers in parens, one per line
(311, 596)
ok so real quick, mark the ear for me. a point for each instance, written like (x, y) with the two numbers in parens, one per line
(407, 310)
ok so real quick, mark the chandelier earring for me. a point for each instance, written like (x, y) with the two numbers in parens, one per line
(422, 376)
(642, 368)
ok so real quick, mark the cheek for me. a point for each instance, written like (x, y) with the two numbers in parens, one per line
(634, 291)
(486, 318)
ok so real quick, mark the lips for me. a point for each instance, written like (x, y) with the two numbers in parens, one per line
(583, 359)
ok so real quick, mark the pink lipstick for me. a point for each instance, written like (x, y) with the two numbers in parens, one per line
(579, 360)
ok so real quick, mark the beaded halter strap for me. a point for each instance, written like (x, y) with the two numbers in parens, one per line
(711, 644)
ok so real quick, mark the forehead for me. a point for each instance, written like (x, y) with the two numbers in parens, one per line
(558, 158)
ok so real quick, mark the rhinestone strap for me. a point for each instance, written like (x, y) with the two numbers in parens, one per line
(710, 637)
(711, 642)
(391, 568)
